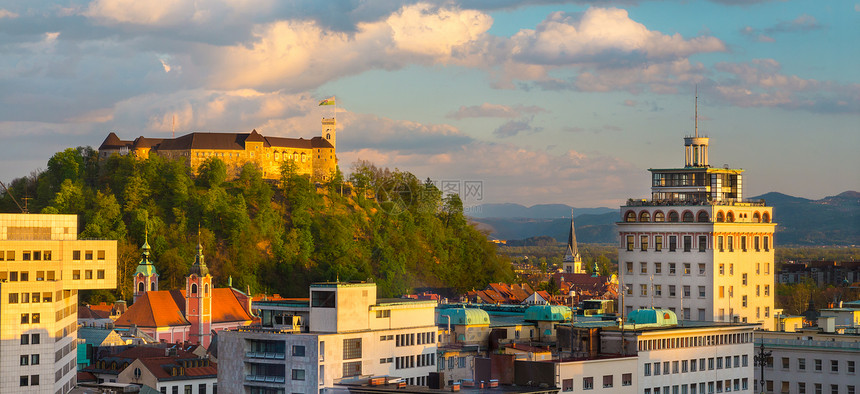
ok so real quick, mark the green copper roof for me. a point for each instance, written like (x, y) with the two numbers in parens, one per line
(465, 316)
(548, 313)
(652, 317)
(145, 266)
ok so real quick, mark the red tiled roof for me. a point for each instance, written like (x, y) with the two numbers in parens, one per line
(88, 312)
(84, 376)
(167, 308)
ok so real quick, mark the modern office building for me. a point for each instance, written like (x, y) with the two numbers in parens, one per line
(350, 333)
(43, 265)
(697, 247)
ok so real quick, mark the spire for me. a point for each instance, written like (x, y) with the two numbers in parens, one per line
(595, 271)
(199, 267)
(572, 249)
(696, 112)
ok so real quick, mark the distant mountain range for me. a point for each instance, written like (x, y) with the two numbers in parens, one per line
(833, 220)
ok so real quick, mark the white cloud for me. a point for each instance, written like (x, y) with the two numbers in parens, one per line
(4, 13)
(488, 110)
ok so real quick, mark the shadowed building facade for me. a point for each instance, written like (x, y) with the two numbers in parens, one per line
(42, 267)
(315, 157)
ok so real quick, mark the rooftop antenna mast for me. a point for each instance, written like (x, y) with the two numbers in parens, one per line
(697, 111)
(173, 129)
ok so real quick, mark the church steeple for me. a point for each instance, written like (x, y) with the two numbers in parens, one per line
(198, 298)
(145, 276)
(199, 267)
(572, 262)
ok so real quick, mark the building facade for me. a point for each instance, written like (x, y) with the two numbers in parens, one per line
(42, 267)
(350, 333)
(697, 247)
(315, 157)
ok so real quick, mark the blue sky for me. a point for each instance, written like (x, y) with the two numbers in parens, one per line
(541, 101)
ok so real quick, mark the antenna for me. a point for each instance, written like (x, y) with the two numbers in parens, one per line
(173, 130)
(23, 210)
(697, 111)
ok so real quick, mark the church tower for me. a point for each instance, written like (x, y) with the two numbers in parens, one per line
(198, 300)
(572, 262)
(145, 276)
(329, 131)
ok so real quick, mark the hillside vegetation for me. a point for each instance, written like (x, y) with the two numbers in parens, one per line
(274, 237)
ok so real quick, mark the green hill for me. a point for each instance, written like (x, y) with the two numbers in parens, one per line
(274, 237)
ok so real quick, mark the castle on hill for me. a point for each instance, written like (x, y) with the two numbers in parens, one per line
(315, 157)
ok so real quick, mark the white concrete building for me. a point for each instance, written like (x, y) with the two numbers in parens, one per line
(351, 334)
(42, 267)
(697, 247)
(812, 360)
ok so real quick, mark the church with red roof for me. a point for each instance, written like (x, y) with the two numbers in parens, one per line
(191, 314)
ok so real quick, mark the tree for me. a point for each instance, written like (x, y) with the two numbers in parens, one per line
(212, 172)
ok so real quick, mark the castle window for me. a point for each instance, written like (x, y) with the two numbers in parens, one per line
(688, 216)
(659, 217)
(673, 216)
(140, 287)
(304, 158)
(630, 216)
(644, 216)
(193, 288)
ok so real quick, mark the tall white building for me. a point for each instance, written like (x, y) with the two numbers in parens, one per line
(697, 247)
(350, 333)
(42, 267)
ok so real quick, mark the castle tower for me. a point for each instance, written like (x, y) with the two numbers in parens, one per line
(572, 263)
(697, 247)
(198, 300)
(329, 131)
(145, 276)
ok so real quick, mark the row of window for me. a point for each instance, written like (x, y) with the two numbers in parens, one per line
(421, 360)
(684, 366)
(818, 365)
(687, 216)
(718, 386)
(415, 338)
(26, 255)
(25, 298)
(588, 382)
(724, 243)
(29, 380)
(687, 268)
(201, 389)
(818, 388)
(695, 341)
(29, 359)
(453, 361)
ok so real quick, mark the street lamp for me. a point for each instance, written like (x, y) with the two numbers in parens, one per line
(761, 360)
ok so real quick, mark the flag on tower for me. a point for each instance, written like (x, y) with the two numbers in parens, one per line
(328, 101)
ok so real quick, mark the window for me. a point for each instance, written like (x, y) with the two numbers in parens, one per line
(35, 339)
(322, 299)
(13, 298)
(643, 243)
(658, 290)
(647, 370)
(743, 243)
(607, 381)
(703, 243)
(801, 364)
(766, 243)
(352, 368)
(851, 366)
(688, 243)
(188, 389)
(658, 243)
(722, 269)
(701, 291)
(785, 362)
(757, 290)
(686, 268)
(671, 268)
(744, 279)
(731, 243)
(25, 318)
(756, 244)
(701, 269)
(36, 318)
(567, 385)
(76, 255)
(629, 266)
(24, 381)
(588, 383)
(630, 241)
(711, 364)
(684, 366)
(643, 289)
(656, 369)
(34, 359)
(722, 291)
(351, 348)
(731, 269)
(744, 301)
(693, 365)
(627, 379)
(671, 290)
(25, 360)
(720, 243)
(298, 374)
(766, 290)
(818, 365)
(658, 268)
(673, 243)
(834, 365)
(801, 387)
(298, 351)
(674, 367)
(628, 287)
(643, 268)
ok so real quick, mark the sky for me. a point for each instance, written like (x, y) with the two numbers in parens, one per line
(517, 101)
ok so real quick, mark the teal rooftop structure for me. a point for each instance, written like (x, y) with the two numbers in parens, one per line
(644, 318)
(465, 316)
(555, 313)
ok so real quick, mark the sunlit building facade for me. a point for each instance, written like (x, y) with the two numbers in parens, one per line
(697, 247)
(42, 267)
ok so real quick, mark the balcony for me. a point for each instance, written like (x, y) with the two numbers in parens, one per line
(265, 355)
(651, 203)
(265, 379)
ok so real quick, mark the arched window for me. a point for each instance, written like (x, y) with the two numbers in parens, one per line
(730, 217)
(304, 157)
(659, 217)
(152, 286)
(756, 218)
(193, 288)
(328, 136)
(277, 156)
(630, 216)
(721, 217)
(765, 218)
(688, 216)
(140, 287)
(703, 217)
(673, 216)
(644, 216)
(206, 289)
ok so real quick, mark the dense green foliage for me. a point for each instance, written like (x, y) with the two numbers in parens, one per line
(274, 237)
